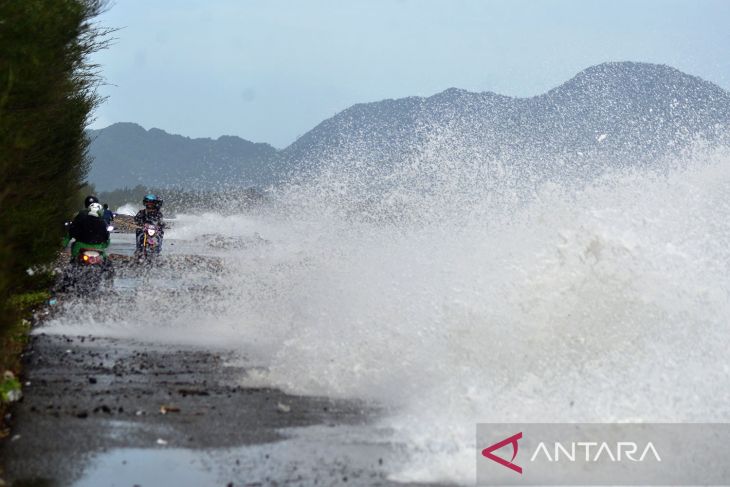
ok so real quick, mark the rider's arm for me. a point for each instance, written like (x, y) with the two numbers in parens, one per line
(73, 228)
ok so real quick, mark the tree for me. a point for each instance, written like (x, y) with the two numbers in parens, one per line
(47, 93)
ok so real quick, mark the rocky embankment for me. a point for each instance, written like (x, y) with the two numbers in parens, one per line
(124, 224)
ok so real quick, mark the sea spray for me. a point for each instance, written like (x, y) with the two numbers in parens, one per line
(452, 304)
(455, 290)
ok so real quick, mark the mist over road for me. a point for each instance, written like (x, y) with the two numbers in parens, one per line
(113, 403)
(360, 328)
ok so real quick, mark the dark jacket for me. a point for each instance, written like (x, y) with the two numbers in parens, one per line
(150, 216)
(88, 229)
(108, 217)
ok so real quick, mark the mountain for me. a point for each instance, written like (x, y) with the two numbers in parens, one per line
(620, 113)
(614, 113)
(125, 154)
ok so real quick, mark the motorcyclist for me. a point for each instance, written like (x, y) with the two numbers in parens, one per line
(88, 230)
(87, 202)
(151, 214)
(108, 215)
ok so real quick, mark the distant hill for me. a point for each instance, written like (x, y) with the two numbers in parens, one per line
(621, 113)
(126, 155)
(613, 113)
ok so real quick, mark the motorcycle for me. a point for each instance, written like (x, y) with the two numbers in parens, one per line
(151, 243)
(89, 271)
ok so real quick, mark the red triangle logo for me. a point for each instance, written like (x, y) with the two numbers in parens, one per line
(487, 452)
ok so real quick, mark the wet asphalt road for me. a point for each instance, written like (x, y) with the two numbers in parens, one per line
(101, 411)
(87, 395)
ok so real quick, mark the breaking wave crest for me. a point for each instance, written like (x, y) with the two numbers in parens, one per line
(460, 293)
(452, 292)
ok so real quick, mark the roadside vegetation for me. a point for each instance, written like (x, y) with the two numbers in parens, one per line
(47, 93)
(179, 200)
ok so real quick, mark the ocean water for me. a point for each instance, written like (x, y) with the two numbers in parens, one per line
(451, 293)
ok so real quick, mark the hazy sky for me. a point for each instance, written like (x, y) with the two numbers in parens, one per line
(270, 70)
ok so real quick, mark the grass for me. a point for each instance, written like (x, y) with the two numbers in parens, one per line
(12, 343)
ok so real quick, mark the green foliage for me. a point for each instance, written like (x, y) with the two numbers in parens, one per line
(28, 301)
(47, 91)
(120, 197)
(9, 388)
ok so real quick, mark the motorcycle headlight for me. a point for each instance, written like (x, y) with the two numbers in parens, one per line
(150, 231)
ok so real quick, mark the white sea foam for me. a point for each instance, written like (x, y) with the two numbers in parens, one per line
(456, 304)
(455, 293)
(129, 209)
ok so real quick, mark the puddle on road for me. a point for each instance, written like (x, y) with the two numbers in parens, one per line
(122, 243)
(131, 466)
(319, 454)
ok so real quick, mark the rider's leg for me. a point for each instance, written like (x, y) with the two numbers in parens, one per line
(140, 238)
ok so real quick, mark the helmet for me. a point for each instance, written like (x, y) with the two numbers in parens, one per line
(90, 199)
(95, 209)
(151, 201)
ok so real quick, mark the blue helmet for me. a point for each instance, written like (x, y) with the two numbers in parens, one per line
(152, 201)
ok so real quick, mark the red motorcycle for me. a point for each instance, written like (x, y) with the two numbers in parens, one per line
(151, 241)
